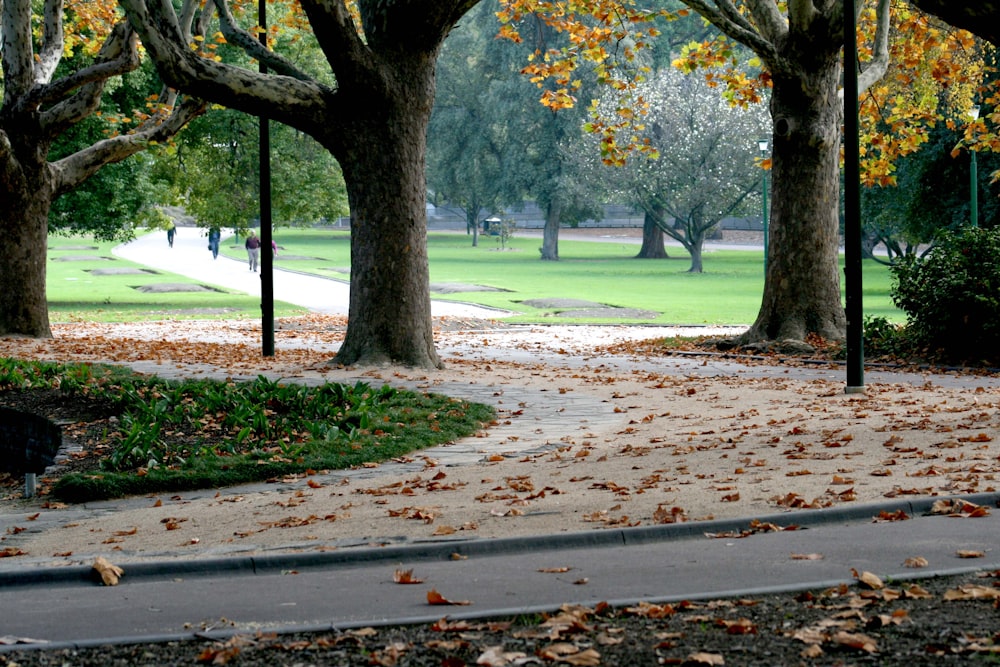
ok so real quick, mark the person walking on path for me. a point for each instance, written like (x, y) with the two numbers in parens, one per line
(171, 231)
(253, 250)
(213, 241)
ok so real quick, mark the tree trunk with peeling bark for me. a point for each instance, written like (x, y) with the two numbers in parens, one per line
(800, 45)
(24, 225)
(35, 111)
(374, 122)
(389, 318)
(802, 294)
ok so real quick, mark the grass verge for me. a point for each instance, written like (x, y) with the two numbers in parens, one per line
(154, 435)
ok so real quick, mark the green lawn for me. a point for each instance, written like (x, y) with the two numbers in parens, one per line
(84, 283)
(728, 292)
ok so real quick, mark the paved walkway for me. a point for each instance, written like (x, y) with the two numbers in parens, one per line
(190, 257)
(173, 598)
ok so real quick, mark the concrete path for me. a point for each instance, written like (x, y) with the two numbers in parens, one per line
(190, 257)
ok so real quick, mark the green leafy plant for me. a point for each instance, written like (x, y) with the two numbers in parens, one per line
(175, 435)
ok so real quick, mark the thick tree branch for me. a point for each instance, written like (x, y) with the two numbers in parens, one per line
(879, 64)
(410, 25)
(338, 37)
(118, 55)
(74, 169)
(52, 41)
(253, 46)
(751, 38)
(287, 99)
(768, 18)
(979, 18)
(15, 48)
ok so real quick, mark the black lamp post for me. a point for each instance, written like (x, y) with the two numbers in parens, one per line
(762, 145)
(974, 176)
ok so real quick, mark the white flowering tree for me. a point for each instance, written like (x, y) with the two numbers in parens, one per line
(706, 169)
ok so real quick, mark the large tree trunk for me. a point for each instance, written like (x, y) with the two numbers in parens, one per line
(550, 234)
(652, 240)
(802, 284)
(389, 317)
(24, 224)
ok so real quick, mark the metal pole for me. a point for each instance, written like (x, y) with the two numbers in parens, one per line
(266, 255)
(767, 244)
(974, 200)
(852, 208)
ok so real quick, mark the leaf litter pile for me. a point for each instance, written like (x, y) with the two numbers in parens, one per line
(945, 621)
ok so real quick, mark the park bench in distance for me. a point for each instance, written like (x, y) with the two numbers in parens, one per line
(28, 445)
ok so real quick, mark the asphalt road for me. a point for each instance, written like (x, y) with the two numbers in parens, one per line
(173, 599)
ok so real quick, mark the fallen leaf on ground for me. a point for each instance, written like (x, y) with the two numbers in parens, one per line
(495, 656)
(405, 577)
(959, 508)
(916, 561)
(855, 641)
(433, 597)
(109, 573)
(712, 659)
(970, 592)
(966, 553)
(570, 654)
(868, 579)
(807, 556)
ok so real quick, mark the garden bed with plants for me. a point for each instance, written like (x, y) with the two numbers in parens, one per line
(134, 434)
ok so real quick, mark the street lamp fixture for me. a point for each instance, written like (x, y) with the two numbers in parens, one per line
(762, 145)
(974, 176)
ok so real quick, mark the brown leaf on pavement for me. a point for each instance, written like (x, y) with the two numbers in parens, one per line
(959, 508)
(869, 580)
(916, 561)
(711, 659)
(807, 556)
(109, 573)
(967, 553)
(435, 598)
(405, 577)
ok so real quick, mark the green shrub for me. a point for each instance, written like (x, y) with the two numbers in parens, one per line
(886, 339)
(952, 296)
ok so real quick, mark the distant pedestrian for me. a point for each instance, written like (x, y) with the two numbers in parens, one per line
(274, 248)
(214, 235)
(171, 232)
(253, 250)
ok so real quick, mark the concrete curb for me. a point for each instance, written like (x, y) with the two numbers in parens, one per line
(443, 550)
